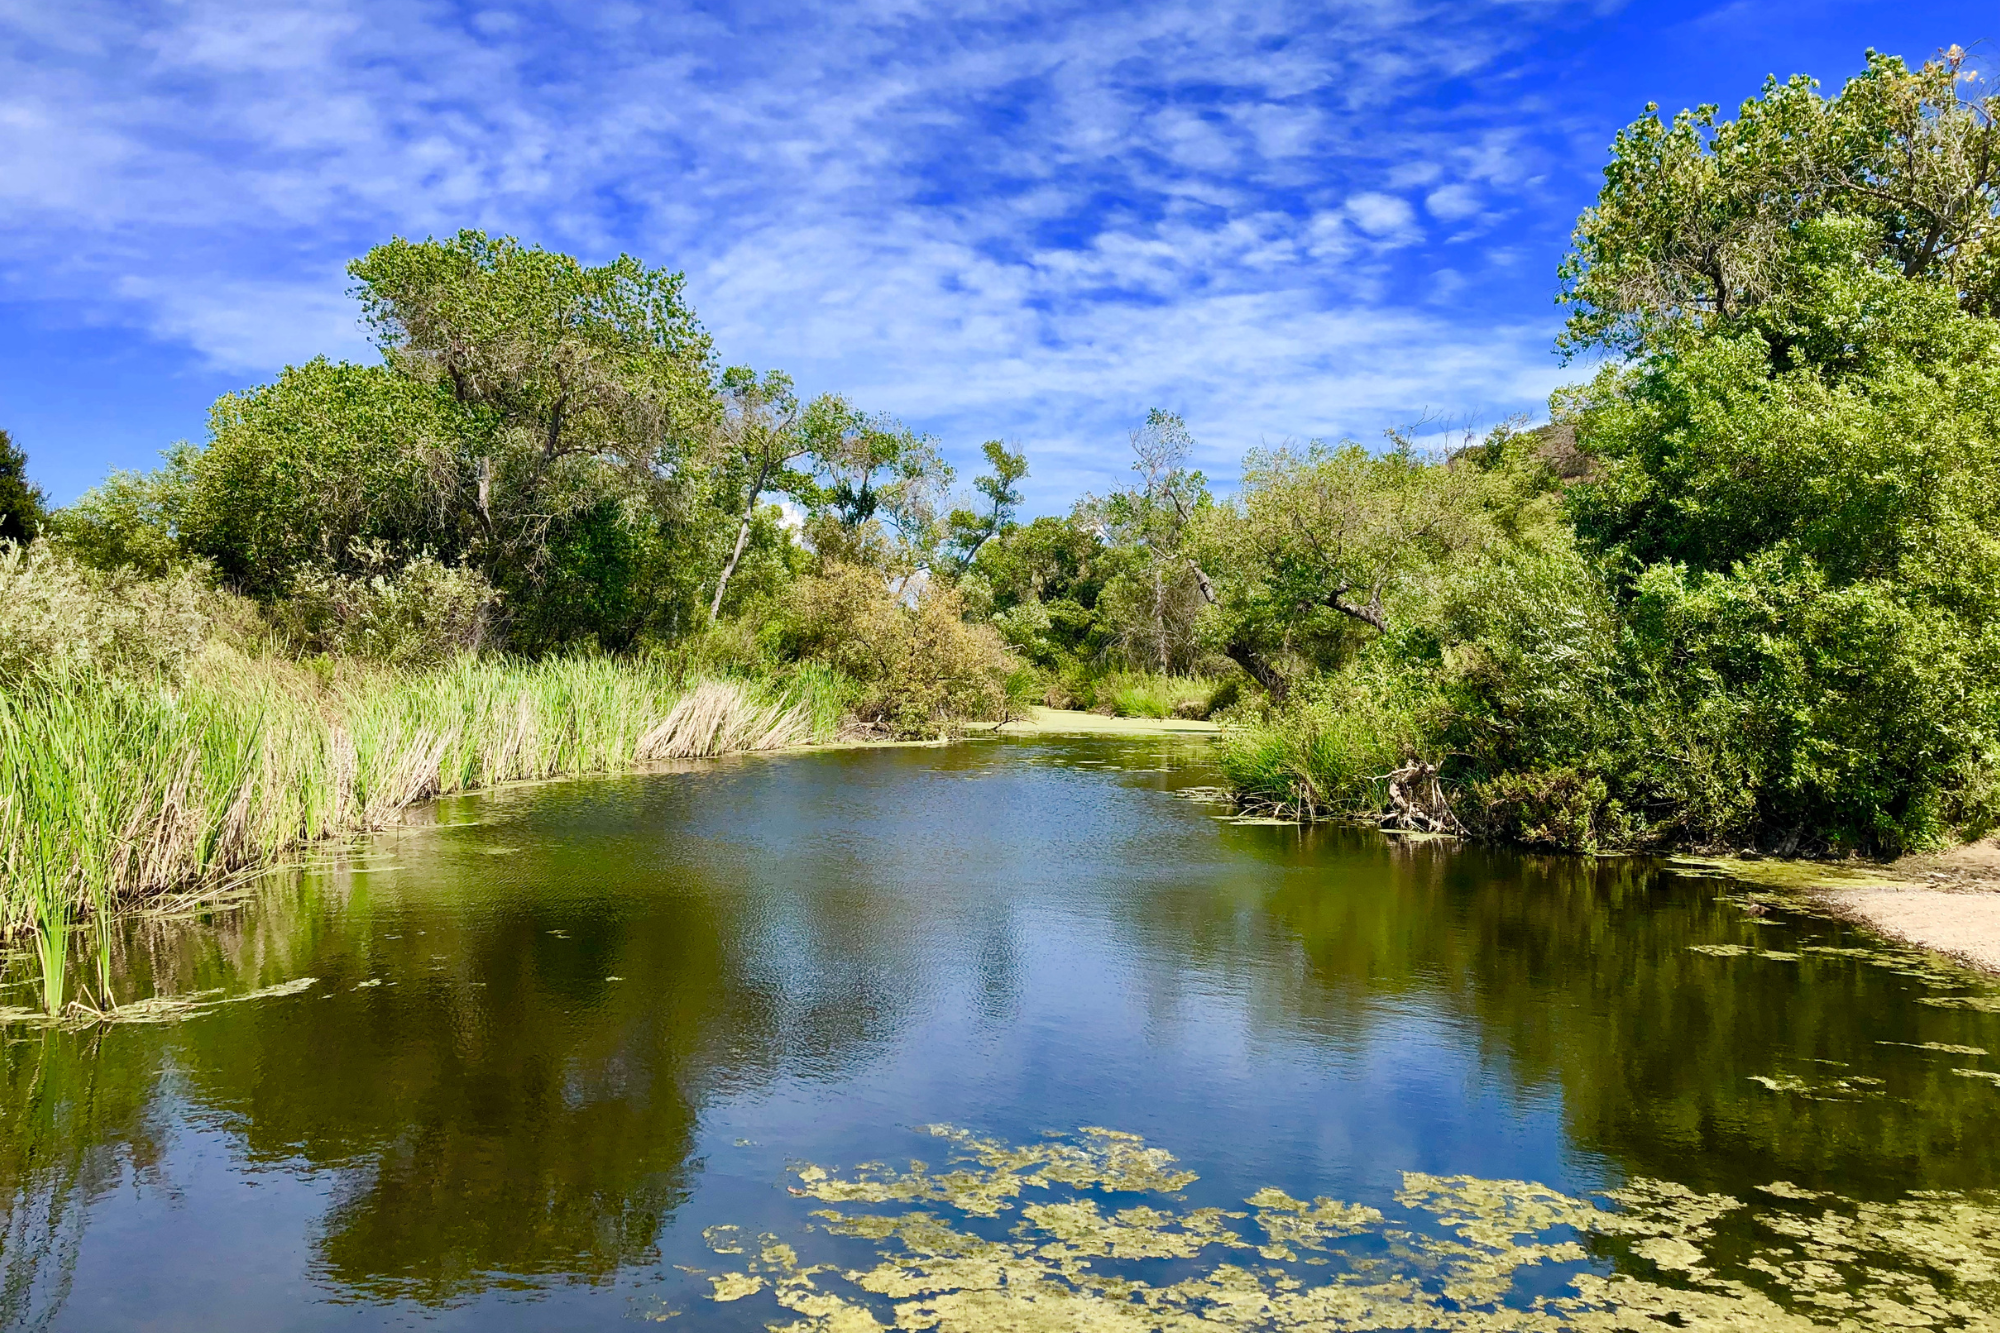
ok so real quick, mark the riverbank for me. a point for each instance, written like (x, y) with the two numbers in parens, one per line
(1947, 902)
(115, 791)
(1062, 720)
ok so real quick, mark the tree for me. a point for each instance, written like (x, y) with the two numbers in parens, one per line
(328, 458)
(1321, 540)
(21, 511)
(765, 431)
(970, 531)
(1697, 218)
(878, 489)
(583, 377)
(1155, 600)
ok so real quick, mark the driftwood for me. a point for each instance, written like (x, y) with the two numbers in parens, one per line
(1417, 801)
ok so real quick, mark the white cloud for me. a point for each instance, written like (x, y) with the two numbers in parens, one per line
(1381, 214)
(1450, 203)
(990, 219)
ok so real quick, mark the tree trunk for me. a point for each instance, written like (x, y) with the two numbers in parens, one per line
(742, 539)
(1259, 668)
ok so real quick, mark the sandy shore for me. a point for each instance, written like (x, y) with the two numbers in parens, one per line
(1948, 902)
(1062, 720)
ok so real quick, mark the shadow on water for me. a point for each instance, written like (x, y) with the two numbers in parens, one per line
(523, 1017)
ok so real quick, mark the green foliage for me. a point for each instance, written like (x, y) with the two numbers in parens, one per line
(1771, 618)
(970, 530)
(920, 668)
(1152, 602)
(1043, 580)
(1697, 219)
(124, 522)
(1150, 694)
(421, 614)
(327, 461)
(21, 511)
(59, 615)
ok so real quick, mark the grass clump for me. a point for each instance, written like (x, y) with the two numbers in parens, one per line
(116, 788)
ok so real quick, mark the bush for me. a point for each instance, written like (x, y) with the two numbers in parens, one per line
(920, 669)
(1152, 694)
(1330, 750)
(420, 615)
(58, 614)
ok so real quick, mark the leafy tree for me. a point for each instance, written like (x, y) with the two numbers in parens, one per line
(765, 432)
(585, 380)
(878, 489)
(125, 522)
(1794, 481)
(327, 459)
(1318, 537)
(1697, 219)
(21, 512)
(1154, 601)
(970, 530)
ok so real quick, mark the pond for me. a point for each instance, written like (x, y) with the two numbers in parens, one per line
(1012, 1034)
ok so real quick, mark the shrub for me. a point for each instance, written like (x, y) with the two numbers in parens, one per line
(57, 614)
(920, 669)
(420, 615)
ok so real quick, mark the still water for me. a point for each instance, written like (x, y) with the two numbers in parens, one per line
(1011, 1034)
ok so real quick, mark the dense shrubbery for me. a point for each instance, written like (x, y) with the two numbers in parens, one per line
(1746, 590)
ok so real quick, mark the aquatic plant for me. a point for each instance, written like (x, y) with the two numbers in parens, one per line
(1459, 1252)
(114, 789)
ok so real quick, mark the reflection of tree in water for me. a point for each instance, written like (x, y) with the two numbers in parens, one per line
(499, 1095)
(1588, 977)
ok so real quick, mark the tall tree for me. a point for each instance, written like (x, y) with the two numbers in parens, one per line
(1698, 218)
(583, 376)
(1149, 520)
(766, 431)
(21, 511)
(971, 530)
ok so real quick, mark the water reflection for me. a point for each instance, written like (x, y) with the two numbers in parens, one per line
(533, 1022)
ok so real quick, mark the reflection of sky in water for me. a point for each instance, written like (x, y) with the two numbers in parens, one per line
(467, 1123)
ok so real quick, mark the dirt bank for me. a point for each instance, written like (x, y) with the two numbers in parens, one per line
(1062, 720)
(1945, 901)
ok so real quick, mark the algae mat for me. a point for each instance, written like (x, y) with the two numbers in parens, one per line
(1450, 1254)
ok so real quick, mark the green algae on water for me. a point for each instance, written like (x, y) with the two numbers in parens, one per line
(1456, 1255)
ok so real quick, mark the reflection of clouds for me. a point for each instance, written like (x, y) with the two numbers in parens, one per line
(989, 218)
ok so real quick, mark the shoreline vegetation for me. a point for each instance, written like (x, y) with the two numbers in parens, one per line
(1740, 592)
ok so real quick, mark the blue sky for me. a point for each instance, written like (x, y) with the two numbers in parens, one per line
(992, 219)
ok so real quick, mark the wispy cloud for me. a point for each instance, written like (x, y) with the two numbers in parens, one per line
(996, 219)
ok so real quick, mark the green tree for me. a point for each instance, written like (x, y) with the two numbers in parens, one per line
(1154, 602)
(21, 511)
(587, 381)
(1697, 219)
(327, 459)
(878, 489)
(971, 530)
(765, 432)
(1793, 480)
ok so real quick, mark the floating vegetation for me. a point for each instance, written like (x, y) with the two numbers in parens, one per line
(1850, 1089)
(1463, 1253)
(155, 1009)
(1985, 1004)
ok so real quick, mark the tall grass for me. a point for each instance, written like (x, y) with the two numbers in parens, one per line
(1153, 694)
(115, 788)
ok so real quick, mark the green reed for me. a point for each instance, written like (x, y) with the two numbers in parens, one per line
(114, 790)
